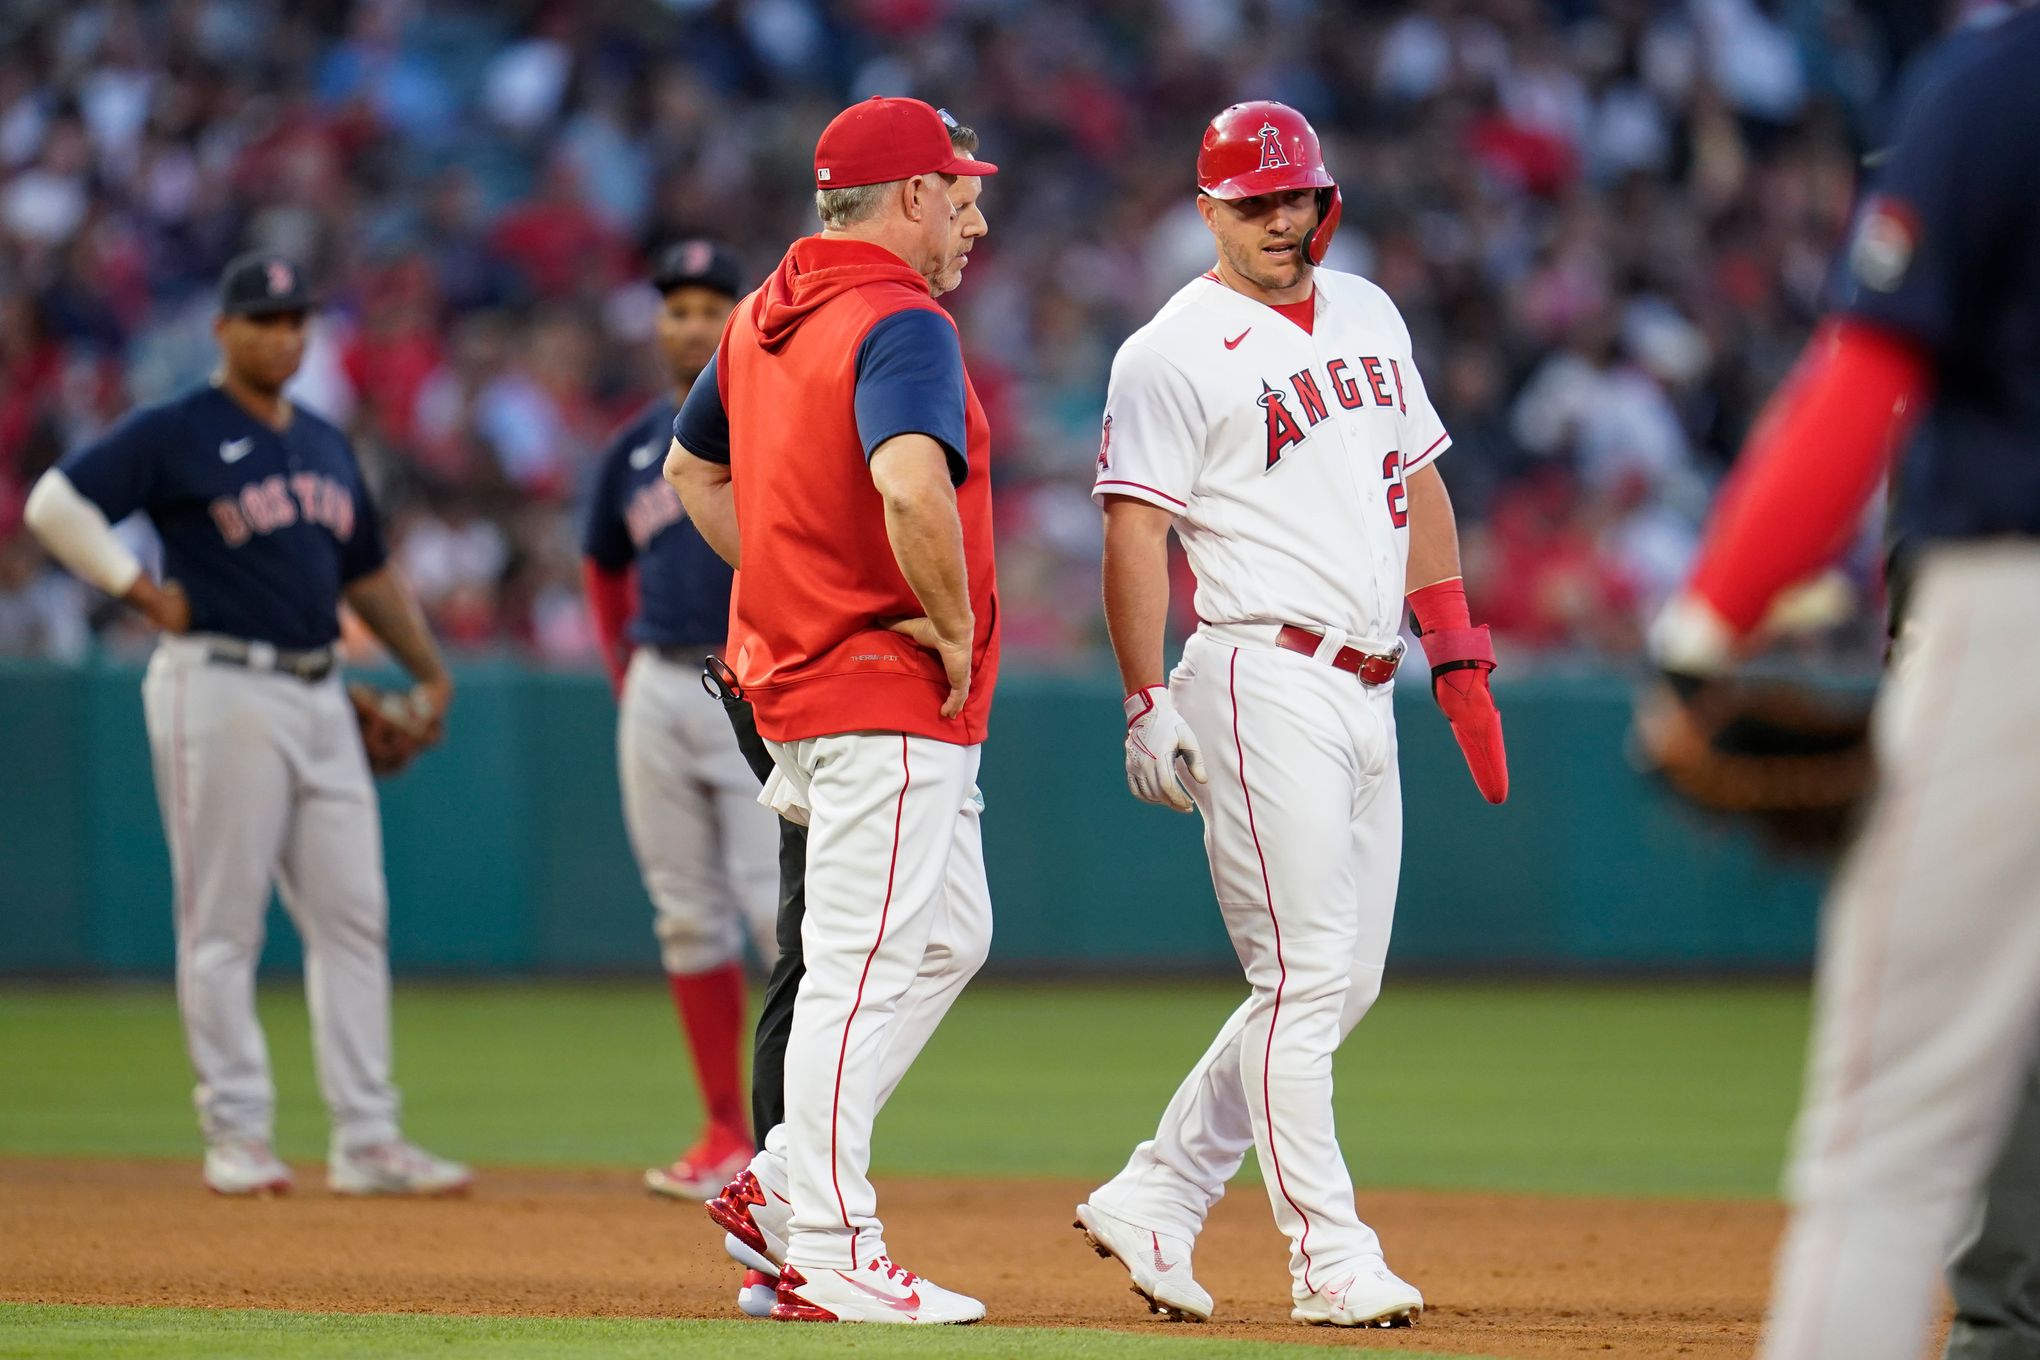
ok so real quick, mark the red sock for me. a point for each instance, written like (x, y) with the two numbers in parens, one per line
(711, 1007)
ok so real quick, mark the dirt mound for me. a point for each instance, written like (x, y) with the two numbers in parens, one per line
(1515, 1276)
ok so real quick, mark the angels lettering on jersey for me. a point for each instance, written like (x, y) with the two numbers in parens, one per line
(1287, 429)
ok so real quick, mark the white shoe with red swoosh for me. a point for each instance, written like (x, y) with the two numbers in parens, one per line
(877, 1291)
(1372, 1296)
(1159, 1263)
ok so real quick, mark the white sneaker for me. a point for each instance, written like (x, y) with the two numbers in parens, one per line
(1373, 1296)
(757, 1294)
(244, 1166)
(1160, 1266)
(394, 1168)
(878, 1291)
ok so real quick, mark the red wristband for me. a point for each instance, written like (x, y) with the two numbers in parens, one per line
(1440, 606)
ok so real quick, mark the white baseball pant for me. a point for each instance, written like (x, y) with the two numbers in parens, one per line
(708, 853)
(1303, 827)
(899, 918)
(1927, 998)
(262, 780)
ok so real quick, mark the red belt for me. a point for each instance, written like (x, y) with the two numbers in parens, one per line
(1372, 668)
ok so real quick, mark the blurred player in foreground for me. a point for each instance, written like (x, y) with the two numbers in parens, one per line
(1928, 987)
(1272, 415)
(661, 601)
(266, 526)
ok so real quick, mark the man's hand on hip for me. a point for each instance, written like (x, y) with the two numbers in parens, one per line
(1156, 737)
(954, 653)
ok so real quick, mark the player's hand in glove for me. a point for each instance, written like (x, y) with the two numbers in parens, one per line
(1461, 657)
(395, 727)
(1156, 738)
(1794, 762)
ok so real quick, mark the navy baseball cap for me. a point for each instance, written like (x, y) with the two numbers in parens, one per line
(698, 264)
(263, 285)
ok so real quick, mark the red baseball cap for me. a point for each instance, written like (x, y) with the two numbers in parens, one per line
(884, 139)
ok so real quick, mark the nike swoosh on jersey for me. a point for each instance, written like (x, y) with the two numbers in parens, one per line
(1234, 343)
(641, 457)
(910, 1304)
(234, 450)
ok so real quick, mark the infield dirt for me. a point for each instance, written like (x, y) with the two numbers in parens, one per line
(1516, 1276)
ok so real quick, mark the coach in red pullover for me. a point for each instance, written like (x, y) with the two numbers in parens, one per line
(835, 453)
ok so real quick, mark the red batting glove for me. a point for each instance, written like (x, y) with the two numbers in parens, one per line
(1461, 656)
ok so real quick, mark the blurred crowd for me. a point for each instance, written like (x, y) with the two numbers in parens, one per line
(1608, 224)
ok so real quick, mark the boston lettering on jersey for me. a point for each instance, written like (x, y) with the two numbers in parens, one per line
(634, 518)
(277, 502)
(1286, 428)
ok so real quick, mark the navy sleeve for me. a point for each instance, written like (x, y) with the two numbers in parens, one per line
(703, 426)
(1935, 220)
(364, 550)
(117, 471)
(910, 381)
(605, 538)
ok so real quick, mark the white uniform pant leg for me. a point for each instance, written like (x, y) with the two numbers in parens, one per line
(1173, 1180)
(746, 832)
(226, 795)
(1928, 988)
(331, 875)
(884, 809)
(959, 941)
(669, 810)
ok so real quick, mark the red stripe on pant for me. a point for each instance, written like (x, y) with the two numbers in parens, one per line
(842, 1054)
(1282, 975)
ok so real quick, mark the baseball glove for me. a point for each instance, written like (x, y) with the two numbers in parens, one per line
(393, 729)
(1795, 763)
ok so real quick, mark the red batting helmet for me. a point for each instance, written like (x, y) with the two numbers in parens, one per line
(1263, 148)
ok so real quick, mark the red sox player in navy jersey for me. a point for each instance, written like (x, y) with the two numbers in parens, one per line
(1927, 996)
(708, 851)
(266, 527)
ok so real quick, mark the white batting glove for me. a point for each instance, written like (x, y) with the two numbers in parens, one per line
(1156, 737)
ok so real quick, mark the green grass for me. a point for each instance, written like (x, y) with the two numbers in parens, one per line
(1616, 1089)
(67, 1333)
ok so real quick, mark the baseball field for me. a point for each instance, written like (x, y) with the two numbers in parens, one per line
(1564, 1169)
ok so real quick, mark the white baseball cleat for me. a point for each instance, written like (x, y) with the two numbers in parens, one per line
(1160, 1266)
(757, 1294)
(1373, 1296)
(394, 1168)
(877, 1291)
(756, 1220)
(244, 1166)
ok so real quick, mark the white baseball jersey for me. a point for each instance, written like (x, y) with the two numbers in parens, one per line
(1281, 451)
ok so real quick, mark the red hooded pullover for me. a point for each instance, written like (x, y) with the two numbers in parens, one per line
(808, 639)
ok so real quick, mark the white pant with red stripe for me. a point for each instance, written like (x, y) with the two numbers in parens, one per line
(1928, 989)
(898, 920)
(1303, 826)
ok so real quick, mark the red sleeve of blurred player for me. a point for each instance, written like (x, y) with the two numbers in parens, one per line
(1811, 464)
(612, 599)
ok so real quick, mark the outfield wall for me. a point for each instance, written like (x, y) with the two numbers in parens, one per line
(507, 853)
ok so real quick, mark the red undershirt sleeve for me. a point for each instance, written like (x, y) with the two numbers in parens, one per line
(612, 599)
(1811, 464)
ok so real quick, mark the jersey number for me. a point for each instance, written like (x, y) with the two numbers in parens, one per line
(1398, 502)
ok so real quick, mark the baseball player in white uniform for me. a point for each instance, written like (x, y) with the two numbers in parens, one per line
(1272, 415)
